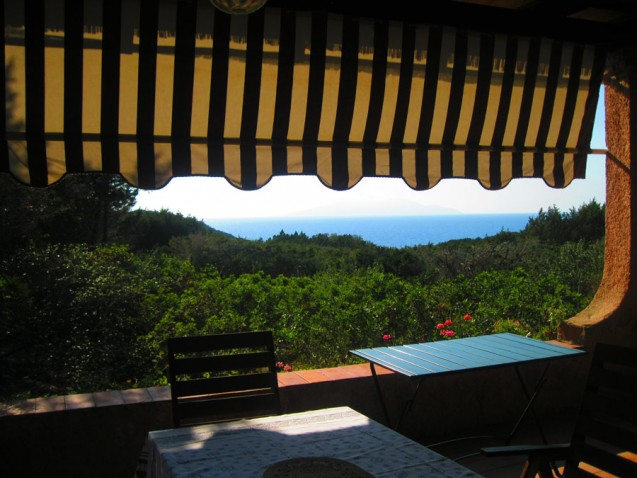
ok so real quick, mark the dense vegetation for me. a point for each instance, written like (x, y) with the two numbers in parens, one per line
(90, 288)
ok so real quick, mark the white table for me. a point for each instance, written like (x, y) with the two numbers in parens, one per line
(245, 448)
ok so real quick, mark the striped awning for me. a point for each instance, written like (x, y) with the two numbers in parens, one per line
(155, 89)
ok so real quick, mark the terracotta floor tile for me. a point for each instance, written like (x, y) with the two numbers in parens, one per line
(159, 394)
(313, 376)
(21, 407)
(108, 398)
(290, 378)
(334, 374)
(50, 404)
(80, 400)
(136, 395)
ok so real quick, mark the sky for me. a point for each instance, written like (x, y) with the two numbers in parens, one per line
(290, 196)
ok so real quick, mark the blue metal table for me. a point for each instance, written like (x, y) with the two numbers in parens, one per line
(418, 361)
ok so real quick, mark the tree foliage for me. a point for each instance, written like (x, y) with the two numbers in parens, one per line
(145, 230)
(74, 316)
(583, 223)
(91, 289)
(78, 209)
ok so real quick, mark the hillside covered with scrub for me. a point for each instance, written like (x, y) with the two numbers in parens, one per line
(91, 288)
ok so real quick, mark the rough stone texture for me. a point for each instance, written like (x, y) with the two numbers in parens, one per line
(611, 316)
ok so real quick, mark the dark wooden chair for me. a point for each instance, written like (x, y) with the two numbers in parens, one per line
(222, 377)
(605, 435)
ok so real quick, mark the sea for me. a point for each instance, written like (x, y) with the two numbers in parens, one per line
(387, 231)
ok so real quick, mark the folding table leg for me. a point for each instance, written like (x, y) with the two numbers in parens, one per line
(408, 404)
(529, 405)
(380, 394)
(407, 407)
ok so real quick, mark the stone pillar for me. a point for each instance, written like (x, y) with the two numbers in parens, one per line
(612, 315)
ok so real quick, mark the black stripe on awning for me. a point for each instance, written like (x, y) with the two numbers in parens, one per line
(154, 89)
(34, 84)
(4, 147)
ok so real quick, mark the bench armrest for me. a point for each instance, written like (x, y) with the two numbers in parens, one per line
(548, 452)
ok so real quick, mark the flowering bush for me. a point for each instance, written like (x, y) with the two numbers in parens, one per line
(462, 328)
(509, 325)
(283, 367)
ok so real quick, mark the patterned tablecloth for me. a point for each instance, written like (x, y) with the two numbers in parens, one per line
(246, 448)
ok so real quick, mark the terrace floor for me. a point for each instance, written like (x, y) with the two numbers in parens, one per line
(466, 452)
(557, 429)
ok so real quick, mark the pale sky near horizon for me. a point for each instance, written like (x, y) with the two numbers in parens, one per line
(215, 198)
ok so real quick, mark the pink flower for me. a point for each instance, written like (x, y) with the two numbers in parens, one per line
(468, 317)
(279, 365)
(387, 337)
(449, 333)
(448, 322)
(287, 368)
(440, 326)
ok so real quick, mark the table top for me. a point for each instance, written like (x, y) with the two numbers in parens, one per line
(459, 355)
(247, 448)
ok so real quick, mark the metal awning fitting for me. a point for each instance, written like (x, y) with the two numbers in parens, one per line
(158, 89)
